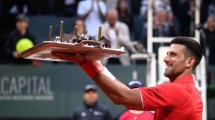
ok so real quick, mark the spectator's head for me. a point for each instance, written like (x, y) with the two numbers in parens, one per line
(80, 24)
(160, 17)
(211, 23)
(135, 84)
(182, 57)
(22, 22)
(122, 6)
(90, 95)
(112, 17)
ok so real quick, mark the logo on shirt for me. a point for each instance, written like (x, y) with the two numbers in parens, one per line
(83, 114)
(98, 113)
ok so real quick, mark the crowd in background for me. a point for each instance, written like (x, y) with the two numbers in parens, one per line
(120, 19)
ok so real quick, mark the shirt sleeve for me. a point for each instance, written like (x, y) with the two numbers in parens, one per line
(74, 116)
(162, 96)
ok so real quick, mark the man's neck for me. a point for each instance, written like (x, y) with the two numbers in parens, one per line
(172, 79)
(90, 105)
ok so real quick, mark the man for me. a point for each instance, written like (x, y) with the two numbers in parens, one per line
(91, 110)
(163, 27)
(209, 31)
(136, 114)
(118, 33)
(177, 100)
(157, 5)
(92, 12)
(19, 34)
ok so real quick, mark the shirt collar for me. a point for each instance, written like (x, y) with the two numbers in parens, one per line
(185, 79)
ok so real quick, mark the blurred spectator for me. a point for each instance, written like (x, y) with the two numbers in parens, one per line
(92, 12)
(21, 32)
(162, 21)
(163, 25)
(157, 6)
(162, 4)
(119, 35)
(14, 6)
(210, 37)
(65, 7)
(135, 114)
(80, 26)
(185, 15)
(91, 109)
(124, 14)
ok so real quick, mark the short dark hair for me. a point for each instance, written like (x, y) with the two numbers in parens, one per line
(21, 17)
(193, 48)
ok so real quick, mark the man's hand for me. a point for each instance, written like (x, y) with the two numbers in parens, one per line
(84, 16)
(75, 58)
(15, 54)
(90, 66)
(114, 89)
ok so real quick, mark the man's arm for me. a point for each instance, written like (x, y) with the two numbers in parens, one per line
(114, 89)
(118, 92)
(75, 116)
(101, 15)
(85, 15)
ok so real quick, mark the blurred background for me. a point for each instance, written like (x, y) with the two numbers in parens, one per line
(36, 90)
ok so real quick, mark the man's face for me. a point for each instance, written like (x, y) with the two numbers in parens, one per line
(211, 24)
(160, 17)
(112, 18)
(175, 61)
(90, 97)
(22, 25)
(123, 5)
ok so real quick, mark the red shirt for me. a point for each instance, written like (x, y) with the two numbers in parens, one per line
(179, 100)
(127, 115)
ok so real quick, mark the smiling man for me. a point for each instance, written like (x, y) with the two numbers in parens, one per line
(177, 100)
